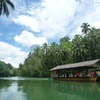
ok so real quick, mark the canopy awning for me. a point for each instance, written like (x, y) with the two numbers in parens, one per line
(92, 63)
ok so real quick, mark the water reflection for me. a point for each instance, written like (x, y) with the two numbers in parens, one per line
(9, 90)
(43, 89)
(79, 90)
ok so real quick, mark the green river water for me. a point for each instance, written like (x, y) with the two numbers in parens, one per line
(46, 89)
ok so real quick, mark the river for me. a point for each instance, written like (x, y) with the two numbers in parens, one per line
(16, 88)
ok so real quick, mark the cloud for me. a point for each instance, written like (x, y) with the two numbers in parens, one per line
(93, 17)
(76, 31)
(28, 22)
(28, 39)
(96, 24)
(58, 18)
(11, 54)
(50, 18)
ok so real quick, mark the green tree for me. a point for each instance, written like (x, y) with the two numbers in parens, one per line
(85, 28)
(6, 69)
(94, 42)
(78, 49)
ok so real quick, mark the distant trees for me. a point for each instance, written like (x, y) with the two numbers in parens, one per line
(4, 7)
(7, 70)
(81, 48)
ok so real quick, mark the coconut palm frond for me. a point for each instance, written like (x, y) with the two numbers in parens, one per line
(11, 4)
(5, 11)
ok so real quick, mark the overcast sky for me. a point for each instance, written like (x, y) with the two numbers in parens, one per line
(35, 22)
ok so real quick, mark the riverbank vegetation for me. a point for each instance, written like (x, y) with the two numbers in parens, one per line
(7, 70)
(82, 47)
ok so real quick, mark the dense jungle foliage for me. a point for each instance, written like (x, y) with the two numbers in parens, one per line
(7, 70)
(82, 47)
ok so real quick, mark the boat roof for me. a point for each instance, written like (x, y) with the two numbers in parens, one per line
(91, 63)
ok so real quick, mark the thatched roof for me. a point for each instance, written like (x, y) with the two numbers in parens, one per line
(92, 63)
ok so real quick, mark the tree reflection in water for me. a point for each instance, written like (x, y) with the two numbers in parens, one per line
(44, 89)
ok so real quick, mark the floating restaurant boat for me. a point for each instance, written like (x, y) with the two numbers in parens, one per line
(81, 71)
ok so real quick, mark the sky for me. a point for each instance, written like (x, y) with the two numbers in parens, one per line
(35, 22)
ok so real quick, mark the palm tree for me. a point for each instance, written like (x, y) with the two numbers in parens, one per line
(85, 28)
(45, 48)
(93, 40)
(64, 39)
(78, 49)
(4, 7)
